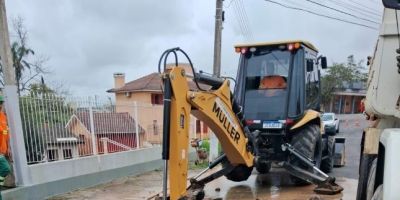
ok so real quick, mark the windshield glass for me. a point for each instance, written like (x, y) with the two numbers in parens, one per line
(266, 75)
(327, 117)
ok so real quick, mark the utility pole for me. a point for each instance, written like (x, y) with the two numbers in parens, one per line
(216, 69)
(17, 144)
(217, 39)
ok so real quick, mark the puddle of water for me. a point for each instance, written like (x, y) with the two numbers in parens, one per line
(274, 185)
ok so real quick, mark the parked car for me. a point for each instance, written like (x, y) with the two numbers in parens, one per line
(331, 123)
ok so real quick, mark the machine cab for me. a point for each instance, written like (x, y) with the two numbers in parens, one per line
(277, 82)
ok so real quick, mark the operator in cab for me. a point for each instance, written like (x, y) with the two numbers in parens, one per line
(271, 80)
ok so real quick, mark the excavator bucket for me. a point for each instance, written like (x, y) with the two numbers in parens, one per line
(328, 187)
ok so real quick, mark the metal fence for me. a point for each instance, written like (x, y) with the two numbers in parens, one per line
(59, 128)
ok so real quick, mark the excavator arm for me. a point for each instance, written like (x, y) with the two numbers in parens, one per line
(212, 107)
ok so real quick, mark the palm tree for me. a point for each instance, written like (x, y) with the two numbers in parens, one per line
(19, 54)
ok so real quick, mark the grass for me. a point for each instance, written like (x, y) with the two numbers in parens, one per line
(205, 144)
(193, 166)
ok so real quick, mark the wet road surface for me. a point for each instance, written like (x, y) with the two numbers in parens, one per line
(274, 185)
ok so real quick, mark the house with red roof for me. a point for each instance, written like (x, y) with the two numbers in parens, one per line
(143, 97)
(114, 131)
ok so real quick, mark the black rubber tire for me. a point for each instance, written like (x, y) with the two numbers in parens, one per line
(365, 166)
(371, 179)
(307, 140)
(338, 128)
(239, 173)
(378, 194)
(200, 195)
(327, 163)
(264, 167)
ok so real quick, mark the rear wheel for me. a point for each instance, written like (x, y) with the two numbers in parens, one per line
(263, 166)
(239, 173)
(327, 163)
(307, 140)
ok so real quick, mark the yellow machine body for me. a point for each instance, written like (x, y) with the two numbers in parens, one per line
(310, 115)
(215, 109)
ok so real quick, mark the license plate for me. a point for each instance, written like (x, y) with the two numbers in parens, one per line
(273, 124)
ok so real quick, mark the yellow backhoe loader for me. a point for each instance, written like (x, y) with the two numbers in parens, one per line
(272, 118)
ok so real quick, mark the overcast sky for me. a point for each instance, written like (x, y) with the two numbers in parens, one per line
(89, 40)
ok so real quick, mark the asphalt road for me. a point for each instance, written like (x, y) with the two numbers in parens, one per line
(275, 185)
(351, 127)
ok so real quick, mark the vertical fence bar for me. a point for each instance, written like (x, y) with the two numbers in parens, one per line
(136, 124)
(26, 123)
(92, 131)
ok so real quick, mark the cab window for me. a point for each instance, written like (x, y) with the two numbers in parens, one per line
(312, 85)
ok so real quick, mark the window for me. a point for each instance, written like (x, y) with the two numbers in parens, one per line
(205, 128)
(81, 137)
(198, 126)
(52, 155)
(266, 73)
(157, 99)
(312, 86)
(67, 153)
(327, 117)
(155, 127)
(296, 96)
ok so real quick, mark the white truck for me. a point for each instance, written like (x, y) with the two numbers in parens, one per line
(378, 173)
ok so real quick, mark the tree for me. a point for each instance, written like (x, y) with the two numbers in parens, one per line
(340, 73)
(28, 67)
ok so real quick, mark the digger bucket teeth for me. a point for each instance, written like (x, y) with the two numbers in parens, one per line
(328, 187)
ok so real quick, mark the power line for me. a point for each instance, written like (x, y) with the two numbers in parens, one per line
(229, 4)
(362, 5)
(246, 18)
(239, 21)
(242, 21)
(356, 9)
(343, 12)
(298, 4)
(322, 15)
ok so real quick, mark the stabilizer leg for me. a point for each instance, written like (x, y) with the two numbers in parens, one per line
(195, 190)
(325, 184)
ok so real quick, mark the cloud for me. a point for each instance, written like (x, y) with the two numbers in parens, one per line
(87, 41)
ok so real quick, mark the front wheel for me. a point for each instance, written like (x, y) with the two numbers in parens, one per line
(308, 141)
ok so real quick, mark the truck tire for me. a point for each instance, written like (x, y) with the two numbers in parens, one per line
(307, 140)
(378, 194)
(328, 162)
(365, 166)
(371, 180)
(239, 173)
(263, 167)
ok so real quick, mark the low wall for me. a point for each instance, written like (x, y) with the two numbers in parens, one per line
(54, 178)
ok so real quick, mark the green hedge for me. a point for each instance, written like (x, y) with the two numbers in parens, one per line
(206, 145)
